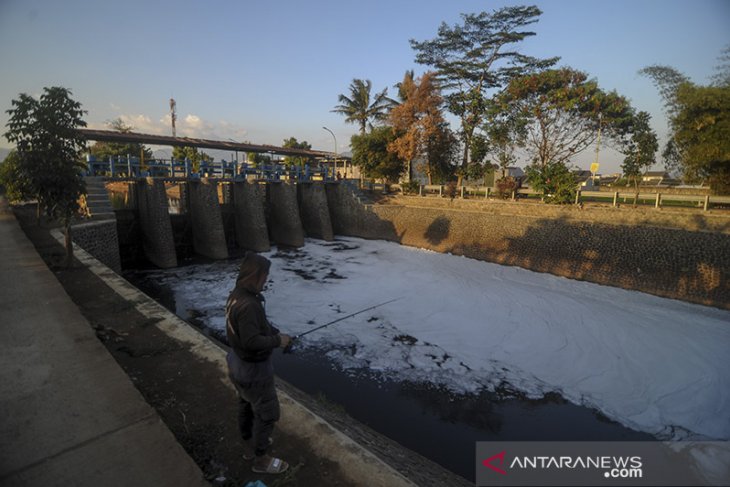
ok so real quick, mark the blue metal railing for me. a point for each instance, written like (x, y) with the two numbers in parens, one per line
(130, 167)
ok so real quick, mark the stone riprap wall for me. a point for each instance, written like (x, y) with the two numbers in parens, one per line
(285, 225)
(675, 263)
(250, 217)
(157, 237)
(209, 237)
(350, 217)
(314, 211)
(99, 238)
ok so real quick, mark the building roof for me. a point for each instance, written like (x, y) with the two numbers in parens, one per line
(134, 137)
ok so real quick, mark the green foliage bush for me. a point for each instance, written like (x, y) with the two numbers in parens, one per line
(555, 181)
(410, 187)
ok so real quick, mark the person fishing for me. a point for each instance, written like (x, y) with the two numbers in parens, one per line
(250, 367)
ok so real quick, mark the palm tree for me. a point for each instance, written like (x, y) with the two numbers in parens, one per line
(357, 107)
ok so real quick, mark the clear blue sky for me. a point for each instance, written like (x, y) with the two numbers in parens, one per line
(264, 71)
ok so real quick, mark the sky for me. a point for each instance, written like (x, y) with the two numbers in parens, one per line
(265, 71)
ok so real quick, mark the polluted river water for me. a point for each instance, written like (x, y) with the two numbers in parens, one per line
(473, 351)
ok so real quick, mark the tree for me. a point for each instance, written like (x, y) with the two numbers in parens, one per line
(561, 111)
(370, 153)
(476, 57)
(192, 154)
(502, 135)
(408, 78)
(722, 70)
(257, 158)
(701, 134)
(640, 150)
(17, 186)
(699, 125)
(358, 109)
(555, 181)
(292, 143)
(417, 119)
(443, 154)
(49, 148)
(104, 150)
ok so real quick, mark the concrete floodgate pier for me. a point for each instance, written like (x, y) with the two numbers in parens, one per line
(314, 211)
(157, 239)
(208, 235)
(285, 224)
(250, 219)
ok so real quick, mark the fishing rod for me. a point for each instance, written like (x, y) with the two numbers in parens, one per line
(296, 337)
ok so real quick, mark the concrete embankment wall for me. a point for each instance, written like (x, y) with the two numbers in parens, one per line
(670, 262)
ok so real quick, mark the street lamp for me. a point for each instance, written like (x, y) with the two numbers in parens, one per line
(236, 167)
(333, 136)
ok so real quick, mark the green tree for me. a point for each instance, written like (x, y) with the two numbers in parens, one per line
(555, 181)
(701, 134)
(17, 185)
(477, 57)
(722, 70)
(503, 134)
(293, 143)
(370, 153)
(358, 107)
(257, 158)
(49, 148)
(104, 150)
(192, 154)
(699, 125)
(640, 151)
(561, 111)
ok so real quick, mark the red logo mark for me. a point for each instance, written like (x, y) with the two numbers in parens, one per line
(488, 462)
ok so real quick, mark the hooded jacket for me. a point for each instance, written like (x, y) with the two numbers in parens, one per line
(250, 334)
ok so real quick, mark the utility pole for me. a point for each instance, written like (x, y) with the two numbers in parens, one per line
(173, 114)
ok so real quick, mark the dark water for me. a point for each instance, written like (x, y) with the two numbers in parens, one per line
(427, 419)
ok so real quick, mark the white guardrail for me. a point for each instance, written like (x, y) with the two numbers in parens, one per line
(702, 201)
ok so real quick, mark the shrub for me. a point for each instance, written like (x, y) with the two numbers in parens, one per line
(411, 187)
(450, 189)
(555, 181)
(505, 187)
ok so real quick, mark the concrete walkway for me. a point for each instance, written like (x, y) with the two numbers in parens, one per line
(69, 415)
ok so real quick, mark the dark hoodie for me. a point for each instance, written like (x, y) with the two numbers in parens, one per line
(250, 334)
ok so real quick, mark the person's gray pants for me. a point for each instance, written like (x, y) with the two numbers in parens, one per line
(258, 411)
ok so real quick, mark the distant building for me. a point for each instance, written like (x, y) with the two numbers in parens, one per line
(655, 177)
(511, 171)
(585, 179)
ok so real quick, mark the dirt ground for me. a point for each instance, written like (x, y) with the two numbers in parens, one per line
(186, 392)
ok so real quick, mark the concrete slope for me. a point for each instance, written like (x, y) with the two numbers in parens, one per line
(68, 414)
